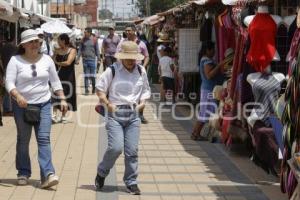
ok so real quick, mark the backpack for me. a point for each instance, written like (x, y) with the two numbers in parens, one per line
(99, 108)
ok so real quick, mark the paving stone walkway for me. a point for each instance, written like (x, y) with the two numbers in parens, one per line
(171, 166)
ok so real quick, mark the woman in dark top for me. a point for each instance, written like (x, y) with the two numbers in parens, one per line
(64, 59)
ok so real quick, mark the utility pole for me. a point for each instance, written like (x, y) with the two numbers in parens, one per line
(42, 5)
(56, 8)
(147, 8)
(64, 8)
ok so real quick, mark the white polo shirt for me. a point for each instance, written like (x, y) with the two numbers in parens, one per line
(34, 89)
(125, 88)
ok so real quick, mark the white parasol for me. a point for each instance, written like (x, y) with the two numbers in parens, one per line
(55, 26)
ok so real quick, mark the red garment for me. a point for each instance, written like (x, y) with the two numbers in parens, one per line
(262, 31)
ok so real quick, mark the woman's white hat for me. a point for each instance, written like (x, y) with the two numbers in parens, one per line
(129, 50)
(29, 35)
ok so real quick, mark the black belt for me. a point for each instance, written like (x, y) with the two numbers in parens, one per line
(126, 106)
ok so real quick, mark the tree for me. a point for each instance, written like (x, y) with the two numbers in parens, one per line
(105, 14)
(157, 6)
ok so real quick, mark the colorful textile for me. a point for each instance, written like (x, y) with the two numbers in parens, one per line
(262, 32)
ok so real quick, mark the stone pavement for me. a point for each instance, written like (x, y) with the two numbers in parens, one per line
(171, 166)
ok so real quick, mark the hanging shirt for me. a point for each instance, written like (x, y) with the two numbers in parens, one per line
(262, 31)
(266, 92)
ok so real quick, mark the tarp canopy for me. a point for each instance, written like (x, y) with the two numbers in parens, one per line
(236, 2)
(7, 12)
(55, 26)
(152, 20)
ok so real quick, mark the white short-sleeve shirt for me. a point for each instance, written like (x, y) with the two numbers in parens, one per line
(125, 88)
(165, 63)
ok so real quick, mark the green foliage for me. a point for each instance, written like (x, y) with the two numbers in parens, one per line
(157, 6)
(105, 14)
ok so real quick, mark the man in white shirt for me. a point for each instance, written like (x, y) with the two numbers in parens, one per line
(142, 49)
(128, 88)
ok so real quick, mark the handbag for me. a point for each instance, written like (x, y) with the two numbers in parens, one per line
(32, 114)
(100, 109)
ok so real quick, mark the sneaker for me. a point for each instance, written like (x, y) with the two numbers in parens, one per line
(99, 182)
(86, 92)
(55, 119)
(64, 120)
(143, 120)
(51, 180)
(22, 180)
(133, 189)
(94, 91)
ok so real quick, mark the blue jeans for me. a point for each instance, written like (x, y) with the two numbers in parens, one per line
(89, 69)
(42, 134)
(123, 129)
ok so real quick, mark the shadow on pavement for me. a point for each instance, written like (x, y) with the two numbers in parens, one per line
(13, 182)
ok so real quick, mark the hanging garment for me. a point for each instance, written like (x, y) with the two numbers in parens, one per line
(225, 35)
(206, 30)
(266, 92)
(292, 30)
(241, 50)
(262, 32)
(265, 146)
(282, 46)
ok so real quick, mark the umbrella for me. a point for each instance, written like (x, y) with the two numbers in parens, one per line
(56, 26)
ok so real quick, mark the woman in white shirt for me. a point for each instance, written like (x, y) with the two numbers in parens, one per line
(27, 80)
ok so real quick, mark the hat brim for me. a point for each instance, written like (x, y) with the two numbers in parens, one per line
(160, 40)
(30, 39)
(129, 56)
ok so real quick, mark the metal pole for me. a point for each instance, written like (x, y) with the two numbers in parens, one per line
(56, 8)
(64, 8)
(42, 5)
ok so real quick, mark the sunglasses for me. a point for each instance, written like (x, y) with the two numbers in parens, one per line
(33, 68)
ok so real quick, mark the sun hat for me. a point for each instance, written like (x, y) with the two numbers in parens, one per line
(161, 47)
(111, 28)
(129, 50)
(29, 35)
(163, 37)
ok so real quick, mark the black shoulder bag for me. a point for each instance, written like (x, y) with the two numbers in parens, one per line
(32, 114)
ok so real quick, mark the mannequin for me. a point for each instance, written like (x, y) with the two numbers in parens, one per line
(288, 20)
(276, 18)
(252, 78)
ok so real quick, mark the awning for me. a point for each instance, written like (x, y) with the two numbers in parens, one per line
(7, 11)
(175, 9)
(152, 20)
(237, 2)
(205, 2)
(44, 18)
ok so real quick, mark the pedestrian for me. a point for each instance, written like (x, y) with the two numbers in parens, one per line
(2, 89)
(110, 44)
(89, 51)
(7, 50)
(211, 75)
(45, 47)
(64, 59)
(27, 80)
(128, 90)
(166, 72)
(100, 46)
(131, 36)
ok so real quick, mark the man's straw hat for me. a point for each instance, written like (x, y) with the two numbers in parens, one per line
(129, 50)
